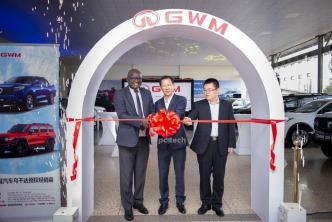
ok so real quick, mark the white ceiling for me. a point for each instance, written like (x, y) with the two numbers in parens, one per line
(273, 24)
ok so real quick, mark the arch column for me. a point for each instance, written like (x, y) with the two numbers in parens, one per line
(267, 187)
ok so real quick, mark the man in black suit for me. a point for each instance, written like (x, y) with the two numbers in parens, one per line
(174, 146)
(212, 143)
(133, 139)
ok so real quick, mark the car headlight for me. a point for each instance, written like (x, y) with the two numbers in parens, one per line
(18, 88)
(8, 139)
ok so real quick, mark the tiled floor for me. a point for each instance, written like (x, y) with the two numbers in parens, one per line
(316, 185)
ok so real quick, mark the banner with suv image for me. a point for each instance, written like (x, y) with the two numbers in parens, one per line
(29, 131)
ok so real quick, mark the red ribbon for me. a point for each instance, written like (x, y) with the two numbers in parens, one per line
(166, 124)
(74, 168)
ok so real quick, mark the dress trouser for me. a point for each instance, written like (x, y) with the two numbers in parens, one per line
(133, 164)
(165, 153)
(211, 162)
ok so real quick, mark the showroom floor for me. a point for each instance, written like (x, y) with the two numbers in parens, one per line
(316, 186)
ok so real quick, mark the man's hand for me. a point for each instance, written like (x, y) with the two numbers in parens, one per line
(230, 150)
(145, 124)
(185, 121)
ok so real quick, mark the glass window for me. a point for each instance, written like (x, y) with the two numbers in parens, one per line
(327, 69)
(311, 107)
(50, 128)
(17, 128)
(20, 79)
(43, 129)
(34, 129)
(326, 109)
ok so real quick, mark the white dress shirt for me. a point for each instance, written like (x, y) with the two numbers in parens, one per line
(169, 101)
(214, 107)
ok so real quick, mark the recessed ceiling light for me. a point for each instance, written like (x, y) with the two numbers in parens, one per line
(214, 58)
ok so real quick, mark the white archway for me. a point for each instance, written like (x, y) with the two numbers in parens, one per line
(267, 187)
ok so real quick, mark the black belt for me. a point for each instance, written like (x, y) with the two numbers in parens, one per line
(213, 138)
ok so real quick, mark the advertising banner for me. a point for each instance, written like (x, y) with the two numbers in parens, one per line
(182, 88)
(29, 130)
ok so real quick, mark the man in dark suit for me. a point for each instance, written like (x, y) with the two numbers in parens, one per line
(174, 146)
(133, 139)
(212, 143)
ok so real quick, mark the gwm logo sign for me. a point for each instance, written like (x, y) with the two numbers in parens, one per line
(11, 54)
(146, 18)
(149, 19)
(158, 89)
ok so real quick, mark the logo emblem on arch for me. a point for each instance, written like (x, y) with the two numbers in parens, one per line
(146, 18)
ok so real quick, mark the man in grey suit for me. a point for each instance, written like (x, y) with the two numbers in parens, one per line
(133, 139)
(212, 143)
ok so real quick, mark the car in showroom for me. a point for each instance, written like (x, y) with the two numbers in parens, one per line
(24, 92)
(292, 101)
(244, 110)
(22, 139)
(301, 120)
(230, 94)
(323, 132)
(240, 103)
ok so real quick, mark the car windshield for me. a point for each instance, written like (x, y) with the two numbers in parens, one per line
(17, 129)
(21, 79)
(311, 106)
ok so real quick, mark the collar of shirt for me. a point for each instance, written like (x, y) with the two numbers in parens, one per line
(169, 101)
(132, 91)
(214, 103)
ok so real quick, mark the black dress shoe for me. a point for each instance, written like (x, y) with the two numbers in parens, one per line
(181, 208)
(163, 208)
(141, 208)
(204, 208)
(129, 215)
(219, 211)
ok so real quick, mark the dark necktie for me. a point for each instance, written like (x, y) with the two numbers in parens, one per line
(138, 102)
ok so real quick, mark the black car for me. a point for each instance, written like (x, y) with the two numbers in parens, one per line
(323, 132)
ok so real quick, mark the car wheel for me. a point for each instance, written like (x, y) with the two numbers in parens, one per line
(22, 149)
(327, 149)
(28, 103)
(49, 145)
(50, 99)
(303, 132)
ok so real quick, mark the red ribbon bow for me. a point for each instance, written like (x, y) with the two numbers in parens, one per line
(164, 123)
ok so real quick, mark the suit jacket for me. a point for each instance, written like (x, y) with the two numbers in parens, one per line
(178, 105)
(128, 132)
(226, 131)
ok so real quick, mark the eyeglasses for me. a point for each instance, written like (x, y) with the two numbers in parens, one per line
(209, 90)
